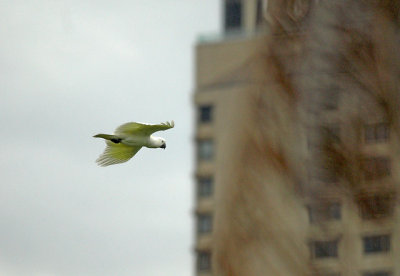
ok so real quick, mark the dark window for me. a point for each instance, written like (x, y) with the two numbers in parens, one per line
(233, 14)
(374, 206)
(324, 211)
(205, 186)
(312, 214)
(375, 133)
(382, 132)
(206, 149)
(203, 261)
(327, 135)
(376, 244)
(259, 15)
(325, 249)
(334, 210)
(369, 133)
(204, 223)
(205, 113)
(376, 167)
(323, 173)
(377, 273)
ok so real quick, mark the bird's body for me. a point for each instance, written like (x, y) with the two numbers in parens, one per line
(128, 139)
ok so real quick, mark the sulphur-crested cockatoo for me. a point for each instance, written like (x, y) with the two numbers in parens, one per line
(128, 139)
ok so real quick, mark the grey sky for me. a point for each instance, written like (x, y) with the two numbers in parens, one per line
(71, 69)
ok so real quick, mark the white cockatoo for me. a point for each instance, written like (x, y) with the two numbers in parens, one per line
(128, 139)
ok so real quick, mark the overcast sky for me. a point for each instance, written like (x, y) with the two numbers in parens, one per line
(72, 69)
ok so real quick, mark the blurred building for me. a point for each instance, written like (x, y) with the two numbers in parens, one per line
(297, 140)
(217, 60)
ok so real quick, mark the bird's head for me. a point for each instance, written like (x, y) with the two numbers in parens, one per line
(163, 144)
(157, 142)
(160, 143)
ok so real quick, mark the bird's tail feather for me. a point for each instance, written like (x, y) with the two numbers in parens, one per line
(106, 136)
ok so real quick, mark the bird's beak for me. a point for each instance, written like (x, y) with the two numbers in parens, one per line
(163, 146)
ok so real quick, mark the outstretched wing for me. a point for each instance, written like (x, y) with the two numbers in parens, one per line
(142, 129)
(116, 153)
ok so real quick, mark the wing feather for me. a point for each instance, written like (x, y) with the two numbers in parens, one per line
(142, 129)
(116, 153)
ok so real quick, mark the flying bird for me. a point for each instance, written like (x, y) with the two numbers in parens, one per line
(128, 139)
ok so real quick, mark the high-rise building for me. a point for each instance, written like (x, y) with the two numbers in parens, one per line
(297, 133)
(217, 61)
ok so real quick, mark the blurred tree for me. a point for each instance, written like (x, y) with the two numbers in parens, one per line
(327, 71)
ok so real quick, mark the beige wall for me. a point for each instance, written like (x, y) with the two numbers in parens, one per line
(222, 63)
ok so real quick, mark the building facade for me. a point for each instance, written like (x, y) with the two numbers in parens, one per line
(215, 63)
(297, 140)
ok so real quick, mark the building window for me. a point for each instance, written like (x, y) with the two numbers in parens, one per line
(334, 210)
(376, 168)
(312, 214)
(205, 149)
(323, 173)
(375, 206)
(376, 133)
(205, 113)
(324, 211)
(205, 186)
(324, 249)
(259, 13)
(204, 223)
(377, 273)
(327, 135)
(376, 244)
(203, 261)
(233, 14)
